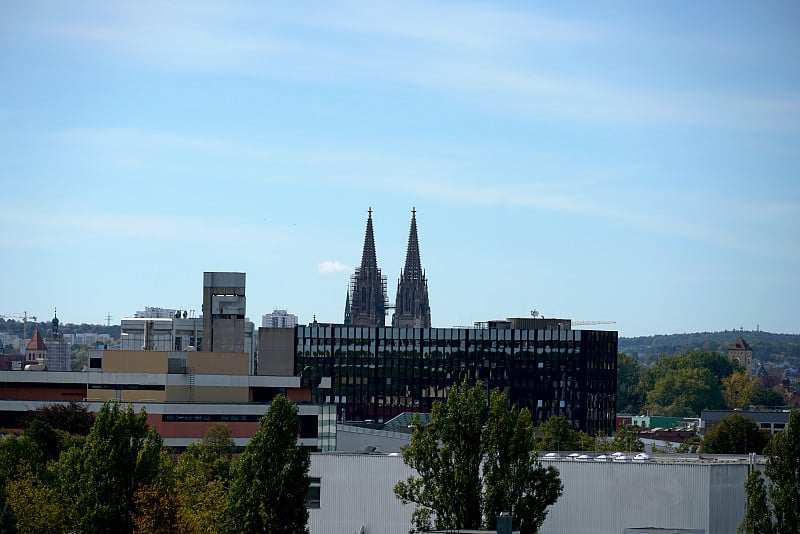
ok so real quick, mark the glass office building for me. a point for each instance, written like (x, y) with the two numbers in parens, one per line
(377, 373)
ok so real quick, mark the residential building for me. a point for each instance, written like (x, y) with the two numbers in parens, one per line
(279, 319)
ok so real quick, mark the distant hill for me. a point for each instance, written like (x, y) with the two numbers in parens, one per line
(782, 349)
(14, 327)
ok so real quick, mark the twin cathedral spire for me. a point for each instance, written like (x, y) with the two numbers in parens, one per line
(367, 300)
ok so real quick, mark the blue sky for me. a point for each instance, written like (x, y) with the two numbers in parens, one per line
(627, 161)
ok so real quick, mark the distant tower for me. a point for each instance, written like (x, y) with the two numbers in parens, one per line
(411, 306)
(36, 349)
(368, 286)
(742, 353)
(58, 353)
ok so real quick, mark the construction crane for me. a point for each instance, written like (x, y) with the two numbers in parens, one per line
(24, 318)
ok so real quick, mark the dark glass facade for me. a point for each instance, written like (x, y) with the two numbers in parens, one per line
(377, 373)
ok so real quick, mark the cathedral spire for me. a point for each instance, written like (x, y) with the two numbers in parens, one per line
(368, 287)
(411, 306)
(413, 268)
(347, 319)
(368, 258)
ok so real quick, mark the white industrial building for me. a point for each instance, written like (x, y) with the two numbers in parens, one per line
(682, 494)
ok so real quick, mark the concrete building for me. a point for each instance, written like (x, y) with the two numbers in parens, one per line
(355, 493)
(184, 392)
(224, 305)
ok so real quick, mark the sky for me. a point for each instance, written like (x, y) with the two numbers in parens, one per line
(635, 162)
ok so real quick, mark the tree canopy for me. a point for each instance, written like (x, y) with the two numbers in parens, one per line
(630, 397)
(772, 508)
(679, 385)
(270, 479)
(474, 461)
(734, 434)
(120, 478)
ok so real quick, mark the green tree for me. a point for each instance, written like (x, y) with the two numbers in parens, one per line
(626, 438)
(514, 479)
(203, 472)
(156, 507)
(685, 392)
(464, 434)
(687, 383)
(783, 471)
(270, 478)
(738, 389)
(734, 434)
(758, 516)
(768, 398)
(98, 480)
(557, 434)
(16, 455)
(630, 397)
(54, 428)
(35, 504)
(690, 445)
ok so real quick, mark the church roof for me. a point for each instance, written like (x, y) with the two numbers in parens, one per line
(36, 343)
(740, 344)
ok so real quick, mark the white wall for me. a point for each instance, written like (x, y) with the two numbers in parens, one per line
(599, 498)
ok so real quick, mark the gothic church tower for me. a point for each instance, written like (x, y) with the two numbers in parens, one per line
(411, 306)
(368, 299)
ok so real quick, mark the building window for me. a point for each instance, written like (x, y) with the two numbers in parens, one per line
(312, 498)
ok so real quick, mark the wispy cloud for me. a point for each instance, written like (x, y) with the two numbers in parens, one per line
(133, 140)
(333, 267)
(156, 228)
(491, 57)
